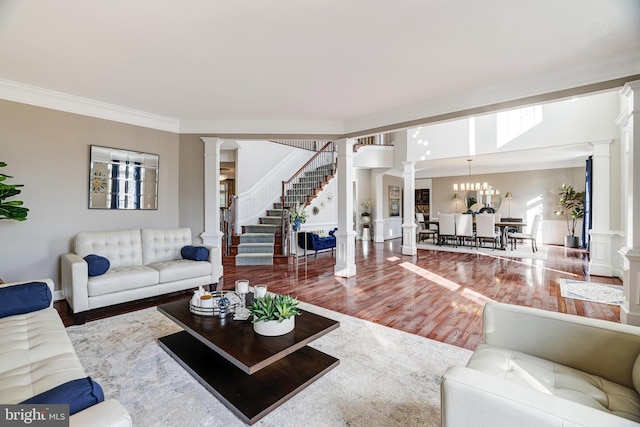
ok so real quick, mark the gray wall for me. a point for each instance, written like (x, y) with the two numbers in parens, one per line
(48, 152)
(530, 189)
(191, 188)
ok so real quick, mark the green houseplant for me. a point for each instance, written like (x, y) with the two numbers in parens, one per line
(10, 209)
(297, 216)
(571, 206)
(365, 214)
(274, 314)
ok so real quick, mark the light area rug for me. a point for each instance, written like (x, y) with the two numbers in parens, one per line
(386, 377)
(523, 251)
(596, 292)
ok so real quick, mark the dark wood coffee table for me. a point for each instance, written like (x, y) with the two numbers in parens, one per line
(250, 374)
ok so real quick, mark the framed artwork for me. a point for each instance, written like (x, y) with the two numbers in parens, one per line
(394, 200)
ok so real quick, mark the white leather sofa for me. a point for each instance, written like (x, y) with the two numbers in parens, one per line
(540, 368)
(144, 263)
(36, 355)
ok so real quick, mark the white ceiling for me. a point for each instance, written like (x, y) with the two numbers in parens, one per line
(291, 66)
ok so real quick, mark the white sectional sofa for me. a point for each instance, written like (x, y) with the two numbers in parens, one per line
(540, 368)
(143, 263)
(36, 355)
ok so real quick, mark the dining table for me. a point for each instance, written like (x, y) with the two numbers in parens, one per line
(501, 225)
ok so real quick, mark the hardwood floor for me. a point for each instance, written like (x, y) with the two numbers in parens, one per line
(438, 295)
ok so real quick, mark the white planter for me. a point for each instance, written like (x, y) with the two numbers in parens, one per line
(273, 328)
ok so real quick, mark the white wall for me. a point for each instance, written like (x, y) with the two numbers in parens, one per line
(256, 159)
(48, 152)
(588, 118)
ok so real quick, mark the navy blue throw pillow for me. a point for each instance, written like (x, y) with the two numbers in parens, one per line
(97, 264)
(195, 253)
(24, 298)
(78, 394)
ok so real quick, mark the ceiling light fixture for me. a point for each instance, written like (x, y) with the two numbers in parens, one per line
(470, 186)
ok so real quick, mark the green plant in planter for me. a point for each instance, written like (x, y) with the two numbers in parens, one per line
(570, 205)
(10, 209)
(276, 307)
(298, 213)
(366, 205)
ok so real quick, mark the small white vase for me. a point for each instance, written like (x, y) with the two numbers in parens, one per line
(273, 328)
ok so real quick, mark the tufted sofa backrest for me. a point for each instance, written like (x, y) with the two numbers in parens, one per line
(164, 244)
(122, 248)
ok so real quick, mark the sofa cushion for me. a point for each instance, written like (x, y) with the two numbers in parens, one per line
(557, 380)
(78, 394)
(123, 248)
(122, 279)
(164, 244)
(97, 265)
(195, 253)
(36, 355)
(181, 269)
(24, 298)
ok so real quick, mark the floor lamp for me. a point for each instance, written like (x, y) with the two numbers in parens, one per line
(456, 198)
(508, 196)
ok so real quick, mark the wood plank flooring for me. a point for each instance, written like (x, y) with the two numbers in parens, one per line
(438, 295)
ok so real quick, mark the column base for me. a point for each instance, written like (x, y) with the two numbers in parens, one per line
(409, 246)
(630, 310)
(378, 231)
(212, 238)
(345, 254)
(601, 253)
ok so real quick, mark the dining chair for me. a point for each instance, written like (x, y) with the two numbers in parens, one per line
(513, 237)
(447, 228)
(464, 227)
(424, 231)
(486, 229)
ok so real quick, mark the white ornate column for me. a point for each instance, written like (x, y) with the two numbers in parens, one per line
(378, 211)
(346, 235)
(212, 234)
(408, 209)
(630, 132)
(601, 247)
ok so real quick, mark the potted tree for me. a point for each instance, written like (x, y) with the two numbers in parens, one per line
(571, 206)
(10, 209)
(274, 315)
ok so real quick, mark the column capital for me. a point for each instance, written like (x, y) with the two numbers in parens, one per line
(630, 87)
(211, 145)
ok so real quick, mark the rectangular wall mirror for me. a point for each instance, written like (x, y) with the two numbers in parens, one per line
(122, 179)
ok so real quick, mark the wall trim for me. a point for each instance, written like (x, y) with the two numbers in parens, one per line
(32, 95)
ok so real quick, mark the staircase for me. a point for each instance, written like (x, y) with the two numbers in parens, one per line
(308, 186)
(261, 244)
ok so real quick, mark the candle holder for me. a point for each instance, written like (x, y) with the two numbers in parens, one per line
(242, 289)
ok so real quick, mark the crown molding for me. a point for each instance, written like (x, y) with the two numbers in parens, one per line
(32, 95)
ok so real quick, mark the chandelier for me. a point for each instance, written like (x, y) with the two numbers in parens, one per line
(470, 186)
